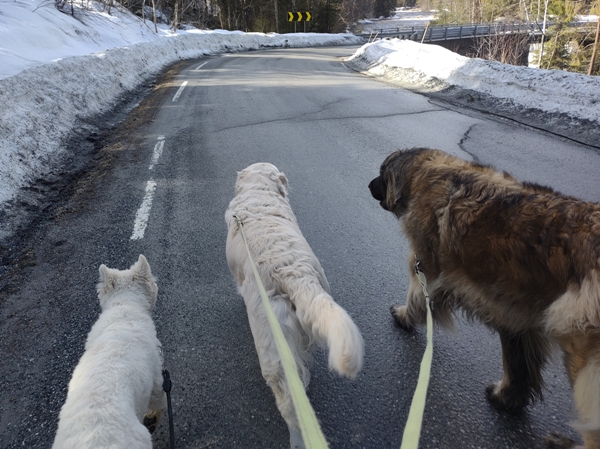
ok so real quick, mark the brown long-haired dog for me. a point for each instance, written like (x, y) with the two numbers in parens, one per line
(520, 257)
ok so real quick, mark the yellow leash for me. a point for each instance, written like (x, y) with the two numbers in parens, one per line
(412, 431)
(309, 426)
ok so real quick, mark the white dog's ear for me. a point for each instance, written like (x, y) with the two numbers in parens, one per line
(106, 283)
(104, 274)
(143, 275)
(142, 268)
(283, 183)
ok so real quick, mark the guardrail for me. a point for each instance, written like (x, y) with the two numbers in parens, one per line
(460, 31)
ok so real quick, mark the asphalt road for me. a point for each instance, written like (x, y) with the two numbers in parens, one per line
(328, 129)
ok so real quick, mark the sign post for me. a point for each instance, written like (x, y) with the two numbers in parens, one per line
(299, 16)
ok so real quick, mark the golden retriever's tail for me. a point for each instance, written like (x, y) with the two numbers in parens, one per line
(329, 323)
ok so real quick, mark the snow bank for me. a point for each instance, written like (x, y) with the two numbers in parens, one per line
(436, 68)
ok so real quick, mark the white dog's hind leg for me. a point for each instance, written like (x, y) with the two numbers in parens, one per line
(157, 404)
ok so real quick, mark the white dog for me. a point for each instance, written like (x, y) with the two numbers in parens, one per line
(118, 382)
(294, 281)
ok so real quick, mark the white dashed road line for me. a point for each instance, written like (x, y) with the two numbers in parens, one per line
(158, 149)
(141, 218)
(143, 213)
(201, 65)
(179, 91)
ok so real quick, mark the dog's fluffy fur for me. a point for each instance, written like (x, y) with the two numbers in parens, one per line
(520, 257)
(117, 384)
(295, 282)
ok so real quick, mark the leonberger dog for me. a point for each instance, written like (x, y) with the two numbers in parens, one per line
(522, 258)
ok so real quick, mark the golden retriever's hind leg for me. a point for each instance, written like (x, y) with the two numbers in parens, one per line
(523, 357)
(283, 398)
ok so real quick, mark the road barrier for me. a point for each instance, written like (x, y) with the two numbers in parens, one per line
(460, 31)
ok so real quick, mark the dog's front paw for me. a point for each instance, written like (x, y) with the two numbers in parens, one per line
(152, 419)
(401, 317)
(505, 398)
(558, 441)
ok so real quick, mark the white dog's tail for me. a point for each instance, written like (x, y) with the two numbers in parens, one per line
(329, 323)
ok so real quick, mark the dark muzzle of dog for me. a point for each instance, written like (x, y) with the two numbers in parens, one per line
(378, 190)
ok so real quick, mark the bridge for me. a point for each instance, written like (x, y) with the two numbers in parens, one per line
(464, 39)
(439, 33)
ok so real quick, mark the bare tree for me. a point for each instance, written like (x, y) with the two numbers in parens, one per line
(543, 33)
(351, 10)
(593, 60)
(154, 16)
(507, 48)
(276, 16)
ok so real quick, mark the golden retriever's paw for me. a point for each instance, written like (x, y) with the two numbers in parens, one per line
(401, 317)
(558, 441)
(505, 398)
(152, 419)
(296, 441)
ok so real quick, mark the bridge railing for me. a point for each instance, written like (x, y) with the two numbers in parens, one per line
(459, 31)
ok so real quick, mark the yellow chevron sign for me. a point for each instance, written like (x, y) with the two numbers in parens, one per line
(299, 16)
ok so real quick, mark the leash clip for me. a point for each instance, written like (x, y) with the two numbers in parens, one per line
(166, 381)
(423, 281)
(417, 266)
(167, 384)
(167, 388)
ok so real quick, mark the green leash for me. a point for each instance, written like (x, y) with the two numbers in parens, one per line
(309, 426)
(412, 431)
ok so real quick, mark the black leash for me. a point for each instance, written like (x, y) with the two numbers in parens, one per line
(167, 387)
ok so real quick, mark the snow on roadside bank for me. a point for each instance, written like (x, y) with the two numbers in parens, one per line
(435, 68)
(41, 106)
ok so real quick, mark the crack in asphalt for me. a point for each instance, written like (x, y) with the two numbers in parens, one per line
(465, 137)
(349, 117)
(456, 106)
